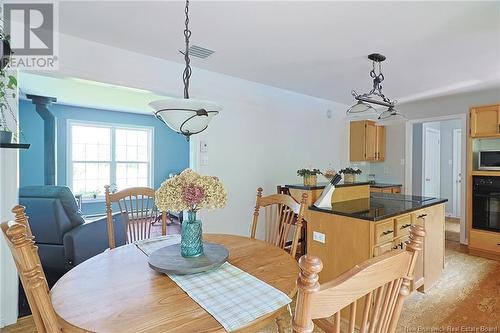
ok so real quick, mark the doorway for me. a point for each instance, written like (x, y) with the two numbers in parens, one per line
(435, 154)
(431, 160)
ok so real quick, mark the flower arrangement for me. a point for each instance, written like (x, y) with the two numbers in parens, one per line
(350, 174)
(308, 172)
(310, 176)
(190, 191)
(350, 171)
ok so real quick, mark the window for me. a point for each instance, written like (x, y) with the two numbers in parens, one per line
(101, 155)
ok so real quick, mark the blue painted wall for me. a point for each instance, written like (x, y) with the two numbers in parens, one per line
(170, 150)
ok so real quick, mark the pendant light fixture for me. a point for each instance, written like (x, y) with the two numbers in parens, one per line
(364, 105)
(186, 116)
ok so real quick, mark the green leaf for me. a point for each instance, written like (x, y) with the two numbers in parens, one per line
(12, 82)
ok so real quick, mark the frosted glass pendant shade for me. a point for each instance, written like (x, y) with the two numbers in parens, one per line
(391, 114)
(361, 109)
(185, 116)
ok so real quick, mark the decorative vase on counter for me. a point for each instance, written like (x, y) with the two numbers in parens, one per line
(191, 236)
(310, 180)
(349, 178)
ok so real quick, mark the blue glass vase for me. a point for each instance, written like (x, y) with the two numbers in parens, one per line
(191, 237)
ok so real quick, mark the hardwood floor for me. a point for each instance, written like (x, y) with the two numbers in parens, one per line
(24, 325)
(452, 229)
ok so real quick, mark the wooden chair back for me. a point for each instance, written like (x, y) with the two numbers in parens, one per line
(378, 286)
(25, 254)
(138, 212)
(289, 215)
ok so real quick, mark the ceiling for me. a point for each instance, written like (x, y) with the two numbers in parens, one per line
(85, 93)
(315, 48)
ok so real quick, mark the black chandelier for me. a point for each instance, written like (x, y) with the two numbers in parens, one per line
(375, 96)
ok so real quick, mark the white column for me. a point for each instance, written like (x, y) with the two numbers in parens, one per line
(9, 184)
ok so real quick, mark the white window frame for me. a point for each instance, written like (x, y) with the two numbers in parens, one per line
(112, 169)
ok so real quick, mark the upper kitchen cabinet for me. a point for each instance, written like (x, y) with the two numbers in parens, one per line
(367, 141)
(485, 121)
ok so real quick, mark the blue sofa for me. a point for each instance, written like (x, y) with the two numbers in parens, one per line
(64, 238)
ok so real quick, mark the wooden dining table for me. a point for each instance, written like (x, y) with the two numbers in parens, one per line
(117, 291)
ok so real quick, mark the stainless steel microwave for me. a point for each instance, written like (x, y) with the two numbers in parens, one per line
(489, 160)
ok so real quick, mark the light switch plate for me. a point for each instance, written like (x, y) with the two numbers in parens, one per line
(203, 147)
(204, 159)
(319, 237)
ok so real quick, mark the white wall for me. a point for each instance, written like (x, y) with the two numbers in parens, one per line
(263, 145)
(391, 170)
(9, 180)
(449, 105)
(261, 138)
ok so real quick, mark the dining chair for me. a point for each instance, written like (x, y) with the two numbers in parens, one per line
(302, 245)
(377, 287)
(281, 219)
(138, 212)
(25, 254)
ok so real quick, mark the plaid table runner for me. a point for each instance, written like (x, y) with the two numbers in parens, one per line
(233, 297)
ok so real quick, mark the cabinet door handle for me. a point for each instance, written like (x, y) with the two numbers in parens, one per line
(387, 232)
(405, 226)
(421, 216)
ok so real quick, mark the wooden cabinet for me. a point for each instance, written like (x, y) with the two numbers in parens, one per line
(380, 143)
(392, 189)
(367, 141)
(485, 121)
(349, 241)
(484, 243)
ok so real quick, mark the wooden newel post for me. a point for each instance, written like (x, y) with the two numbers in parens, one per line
(414, 246)
(256, 212)
(31, 273)
(307, 284)
(21, 218)
(109, 214)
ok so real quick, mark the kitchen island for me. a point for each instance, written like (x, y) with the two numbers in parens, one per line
(355, 229)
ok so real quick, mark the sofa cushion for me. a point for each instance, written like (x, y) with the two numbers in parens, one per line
(63, 193)
(47, 219)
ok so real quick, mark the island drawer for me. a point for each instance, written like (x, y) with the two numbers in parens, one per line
(384, 232)
(402, 225)
(487, 241)
(381, 249)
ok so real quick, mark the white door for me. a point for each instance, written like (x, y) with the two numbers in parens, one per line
(431, 161)
(457, 171)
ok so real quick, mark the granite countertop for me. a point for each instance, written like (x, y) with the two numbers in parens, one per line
(380, 206)
(321, 186)
(383, 185)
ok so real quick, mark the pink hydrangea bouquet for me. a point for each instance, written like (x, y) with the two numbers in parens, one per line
(190, 191)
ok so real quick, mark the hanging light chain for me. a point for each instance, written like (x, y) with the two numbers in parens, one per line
(187, 71)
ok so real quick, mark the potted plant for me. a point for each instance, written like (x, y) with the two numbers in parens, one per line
(8, 88)
(350, 174)
(310, 176)
(190, 191)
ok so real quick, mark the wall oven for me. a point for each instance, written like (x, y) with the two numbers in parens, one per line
(489, 160)
(486, 203)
